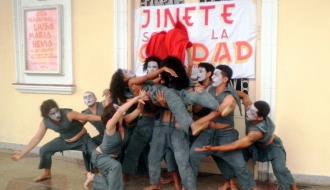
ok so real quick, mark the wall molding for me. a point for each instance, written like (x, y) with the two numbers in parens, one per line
(44, 80)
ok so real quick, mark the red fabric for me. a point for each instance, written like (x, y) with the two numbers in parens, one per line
(156, 46)
(177, 41)
(173, 43)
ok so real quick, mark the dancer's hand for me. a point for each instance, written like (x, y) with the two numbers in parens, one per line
(140, 106)
(199, 88)
(17, 156)
(161, 98)
(207, 148)
(170, 71)
(142, 96)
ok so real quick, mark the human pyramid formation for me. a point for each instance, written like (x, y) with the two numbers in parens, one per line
(164, 115)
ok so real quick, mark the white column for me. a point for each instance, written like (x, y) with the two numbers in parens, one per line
(268, 52)
(121, 33)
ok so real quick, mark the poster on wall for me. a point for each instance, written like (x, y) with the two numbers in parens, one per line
(222, 32)
(43, 40)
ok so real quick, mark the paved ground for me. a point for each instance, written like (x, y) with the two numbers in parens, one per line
(68, 174)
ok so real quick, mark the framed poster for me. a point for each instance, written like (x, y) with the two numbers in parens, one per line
(42, 40)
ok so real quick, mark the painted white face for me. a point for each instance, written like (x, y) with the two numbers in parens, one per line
(152, 66)
(128, 74)
(89, 99)
(194, 74)
(201, 75)
(217, 78)
(54, 114)
(251, 113)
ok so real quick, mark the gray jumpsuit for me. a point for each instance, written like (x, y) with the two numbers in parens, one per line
(67, 130)
(227, 161)
(97, 124)
(110, 177)
(275, 152)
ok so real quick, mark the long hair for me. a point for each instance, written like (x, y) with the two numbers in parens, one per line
(180, 82)
(118, 86)
(107, 114)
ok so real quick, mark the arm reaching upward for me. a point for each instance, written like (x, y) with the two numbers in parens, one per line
(131, 116)
(245, 99)
(111, 124)
(190, 62)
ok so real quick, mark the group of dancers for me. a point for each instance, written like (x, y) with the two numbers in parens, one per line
(170, 114)
(168, 117)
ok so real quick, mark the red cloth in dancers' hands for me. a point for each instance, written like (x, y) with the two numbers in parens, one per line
(156, 46)
(177, 41)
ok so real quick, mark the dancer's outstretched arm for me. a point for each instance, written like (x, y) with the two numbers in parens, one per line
(150, 76)
(244, 142)
(111, 124)
(39, 135)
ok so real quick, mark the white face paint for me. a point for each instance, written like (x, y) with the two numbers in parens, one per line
(251, 113)
(128, 74)
(152, 66)
(194, 74)
(54, 114)
(89, 99)
(201, 75)
(217, 78)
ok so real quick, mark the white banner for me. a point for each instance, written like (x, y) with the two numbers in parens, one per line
(221, 32)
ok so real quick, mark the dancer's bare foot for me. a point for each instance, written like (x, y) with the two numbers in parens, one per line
(225, 186)
(233, 185)
(294, 187)
(152, 187)
(166, 180)
(176, 179)
(44, 176)
(125, 178)
(89, 179)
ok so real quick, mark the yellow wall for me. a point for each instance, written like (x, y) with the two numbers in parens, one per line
(303, 91)
(92, 45)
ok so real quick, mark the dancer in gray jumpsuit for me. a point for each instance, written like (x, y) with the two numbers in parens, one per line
(96, 108)
(103, 157)
(224, 132)
(260, 143)
(73, 136)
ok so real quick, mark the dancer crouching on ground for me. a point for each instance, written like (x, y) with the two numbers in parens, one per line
(104, 156)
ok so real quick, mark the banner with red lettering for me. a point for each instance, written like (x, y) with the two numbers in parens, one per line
(222, 32)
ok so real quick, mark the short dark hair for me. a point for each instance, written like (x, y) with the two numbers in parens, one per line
(180, 82)
(226, 71)
(207, 66)
(151, 58)
(263, 108)
(46, 106)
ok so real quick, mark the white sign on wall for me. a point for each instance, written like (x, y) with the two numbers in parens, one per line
(222, 32)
